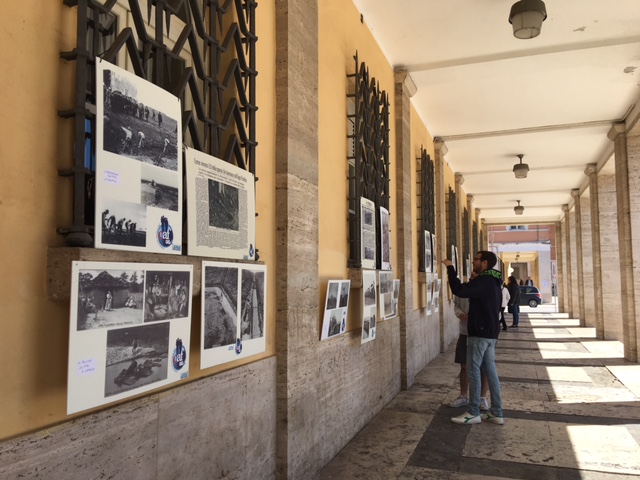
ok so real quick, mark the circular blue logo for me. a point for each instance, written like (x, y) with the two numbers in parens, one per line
(164, 233)
(179, 357)
(251, 250)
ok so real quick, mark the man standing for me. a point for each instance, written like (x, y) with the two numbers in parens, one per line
(483, 328)
(528, 282)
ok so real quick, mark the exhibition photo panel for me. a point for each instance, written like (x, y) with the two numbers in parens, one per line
(233, 323)
(336, 307)
(129, 330)
(369, 306)
(138, 183)
(221, 208)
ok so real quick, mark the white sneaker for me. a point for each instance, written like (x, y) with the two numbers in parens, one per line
(484, 404)
(461, 401)
(466, 419)
(490, 417)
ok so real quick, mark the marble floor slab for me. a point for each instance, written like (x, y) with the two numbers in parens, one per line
(571, 406)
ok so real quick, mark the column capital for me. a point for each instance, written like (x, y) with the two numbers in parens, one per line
(459, 179)
(616, 130)
(478, 210)
(403, 77)
(440, 146)
(575, 193)
(565, 208)
(592, 168)
(470, 198)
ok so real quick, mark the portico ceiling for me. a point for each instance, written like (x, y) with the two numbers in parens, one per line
(491, 96)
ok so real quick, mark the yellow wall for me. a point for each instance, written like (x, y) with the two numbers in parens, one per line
(341, 34)
(34, 84)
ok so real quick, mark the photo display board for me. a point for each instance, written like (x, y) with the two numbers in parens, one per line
(138, 164)
(367, 233)
(234, 307)
(129, 332)
(221, 208)
(385, 287)
(369, 306)
(334, 321)
(428, 261)
(385, 239)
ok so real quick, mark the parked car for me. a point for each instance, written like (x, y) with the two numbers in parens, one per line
(530, 296)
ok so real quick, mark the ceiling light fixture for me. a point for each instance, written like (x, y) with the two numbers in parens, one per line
(527, 16)
(521, 169)
(519, 209)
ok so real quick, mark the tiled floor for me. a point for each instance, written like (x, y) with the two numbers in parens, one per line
(571, 406)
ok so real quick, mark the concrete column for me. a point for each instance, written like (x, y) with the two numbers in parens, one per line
(296, 218)
(417, 347)
(578, 283)
(587, 260)
(627, 160)
(484, 236)
(567, 250)
(440, 247)
(560, 278)
(592, 172)
(610, 255)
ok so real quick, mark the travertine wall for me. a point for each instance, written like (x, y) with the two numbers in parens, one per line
(212, 428)
(633, 151)
(575, 285)
(611, 300)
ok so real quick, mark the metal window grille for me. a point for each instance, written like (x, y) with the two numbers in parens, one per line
(452, 221)
(210, 65)
(466, 239)
(475, 238)
(368, 153)
(426, 200)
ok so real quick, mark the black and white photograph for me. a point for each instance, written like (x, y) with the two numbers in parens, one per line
(124, 223)
(158, 188)
(434, 256)
(114, 351)
(385, 239)
(220, 306)
(136, 356)
(345, 288)
(428, 262)
(138, 177)
(332, 295)
(220, 206)
(368, 233)
(334, 320)
(135, 124)
(167, 295)
(108, 298)
(252, 304)
(234, 310)
(224, 206)
(396, 295)
(370, 306)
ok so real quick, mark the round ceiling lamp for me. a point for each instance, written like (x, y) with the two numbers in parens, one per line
(521, 169)
(519, 209)
(527, 16)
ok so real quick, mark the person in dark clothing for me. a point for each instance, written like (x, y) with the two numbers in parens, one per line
(485, 300)
(514, 301)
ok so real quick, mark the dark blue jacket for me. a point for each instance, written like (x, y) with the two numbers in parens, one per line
(485, 301)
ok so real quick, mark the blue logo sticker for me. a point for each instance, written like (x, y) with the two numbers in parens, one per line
(179, 357)
(164, 233)
(238, 346)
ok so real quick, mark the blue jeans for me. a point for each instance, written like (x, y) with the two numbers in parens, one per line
(516, 314)
(481, 354)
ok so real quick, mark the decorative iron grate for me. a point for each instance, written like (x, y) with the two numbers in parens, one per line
(426, 200)
(202, 51)
(368, 155)
(466, 240)
(475, 238)
(452, 222)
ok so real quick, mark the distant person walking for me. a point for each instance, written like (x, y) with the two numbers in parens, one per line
(483, 329)
(505, 303)
(514, 301)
